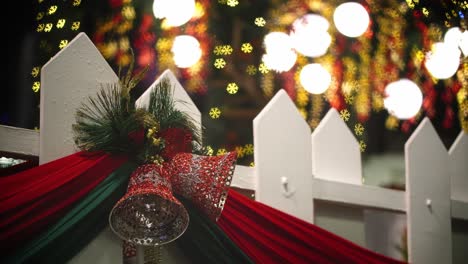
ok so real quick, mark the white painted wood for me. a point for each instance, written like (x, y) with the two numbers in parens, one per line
(459, 210)
(244, 178)
(335, 152)
(341, 219)
(184, 102)
(282, 153)
(427, 181)
(19, 140)
(384, 231)
(73, 74)
(458, 158)
(363, 196)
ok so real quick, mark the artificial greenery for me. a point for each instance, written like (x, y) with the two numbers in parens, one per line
(111, 122)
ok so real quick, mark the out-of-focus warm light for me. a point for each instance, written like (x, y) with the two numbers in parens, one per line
(315, 78)
(279, 55)
(443, 60)
(351, 19)
(186, 50)
(453, 37)
(176, 12)
(309, 35)
(277, 42)
(404, 99)
(280, 61)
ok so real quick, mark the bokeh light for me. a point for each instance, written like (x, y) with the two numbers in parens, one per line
(443, 60)
(176, 12)
(186, 50)
(279, 55)
(309, 35)
(351, 19)
(404, 99)
(315, 78)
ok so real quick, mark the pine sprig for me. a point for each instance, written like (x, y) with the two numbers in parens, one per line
(110, 122)
(162, 106)
(105, 122)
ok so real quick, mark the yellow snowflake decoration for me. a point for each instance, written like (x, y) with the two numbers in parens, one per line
(221, 151)
(251, 70)
(425, 12)
(232, 3)
(75, 25)
(40, 27)
(52, 10)
(219, 63)
(218, 50)
(35, 72)
(240, 152)
(248, 149)
(209, 151)
(63, 43)
(349, 99)
(252, 164)
(48, 27)
(344, 114)
(36, 86)
(359, 129)
(246, 48)
(39, 16)
(232, 88)
(263, 68)
(215, 113)
(260, 21)
(227, 50)
(362, 145)
(222, 50)
(60, 23)
(76, 2)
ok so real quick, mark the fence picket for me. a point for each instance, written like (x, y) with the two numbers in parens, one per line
(282, 156)
(428, 197)
(335, 152)
(72, 75)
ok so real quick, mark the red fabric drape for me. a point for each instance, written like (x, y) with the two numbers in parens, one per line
(34, 198)
(267, 235)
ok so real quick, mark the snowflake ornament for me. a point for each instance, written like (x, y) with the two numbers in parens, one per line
(232, 88)
(344, 114)
(260, 21)
(215, 113)
(219, 63)
(246, 48)
(359, 129)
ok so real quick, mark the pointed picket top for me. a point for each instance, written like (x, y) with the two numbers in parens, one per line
(428, 197)
(184, 102)
(283, 158)
(335, 152)
(73, 74)
(458, 155)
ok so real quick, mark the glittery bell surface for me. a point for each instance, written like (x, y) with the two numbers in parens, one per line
(149, 214)
(204, 180)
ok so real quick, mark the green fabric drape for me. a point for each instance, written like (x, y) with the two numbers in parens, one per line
(78, 227)
(205, 242)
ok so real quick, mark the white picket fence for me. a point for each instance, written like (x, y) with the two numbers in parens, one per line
(293, 167)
